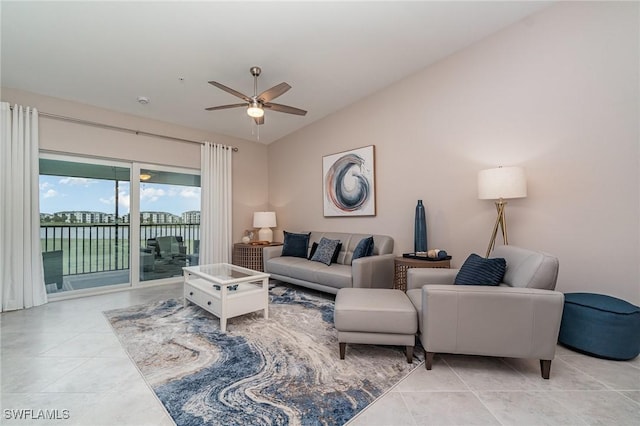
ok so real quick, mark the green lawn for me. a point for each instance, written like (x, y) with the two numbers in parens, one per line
(81, 256)
(84, 256)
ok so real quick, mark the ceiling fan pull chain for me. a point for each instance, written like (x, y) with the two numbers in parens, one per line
(255, 130)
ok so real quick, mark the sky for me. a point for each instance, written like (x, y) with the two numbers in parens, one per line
(79, 194)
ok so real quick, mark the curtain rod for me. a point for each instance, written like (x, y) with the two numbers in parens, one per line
(118, 128)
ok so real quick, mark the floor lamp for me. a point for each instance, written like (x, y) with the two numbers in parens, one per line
(500, 184)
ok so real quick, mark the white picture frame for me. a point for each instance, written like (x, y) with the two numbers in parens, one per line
(348, 183)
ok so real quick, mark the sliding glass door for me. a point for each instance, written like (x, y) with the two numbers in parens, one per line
(84, 227)
(94, 216)
(169, 221)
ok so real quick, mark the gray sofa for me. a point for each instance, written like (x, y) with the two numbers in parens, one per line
(519, 318)
(374, 271)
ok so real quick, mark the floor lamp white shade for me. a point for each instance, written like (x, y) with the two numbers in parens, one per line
(502, 182)
(499, 184)
(265, 221)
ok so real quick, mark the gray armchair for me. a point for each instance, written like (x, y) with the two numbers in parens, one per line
(171, 247)
(520, 318)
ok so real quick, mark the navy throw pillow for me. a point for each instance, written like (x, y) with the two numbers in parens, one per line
(477, 270)
(325, 251)
(364, 248)
(314, 247)
(334, 259)
(295, 245)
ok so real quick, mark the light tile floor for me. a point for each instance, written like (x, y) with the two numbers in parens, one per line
(64, 356)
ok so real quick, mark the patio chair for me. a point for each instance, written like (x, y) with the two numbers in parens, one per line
(52, 266)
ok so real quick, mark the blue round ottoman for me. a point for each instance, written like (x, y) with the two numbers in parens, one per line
(600, 325)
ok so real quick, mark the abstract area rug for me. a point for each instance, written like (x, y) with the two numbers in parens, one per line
(282, 371)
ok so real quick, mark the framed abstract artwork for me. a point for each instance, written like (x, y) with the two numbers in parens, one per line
(348, 183)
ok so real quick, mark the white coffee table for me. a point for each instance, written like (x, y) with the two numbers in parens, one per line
(251, 294)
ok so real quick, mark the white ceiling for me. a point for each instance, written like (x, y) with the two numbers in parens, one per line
(332, 54)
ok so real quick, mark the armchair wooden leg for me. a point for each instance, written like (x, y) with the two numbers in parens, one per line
(428, 359)
(343, 347)
(409, 353)
(545, 368)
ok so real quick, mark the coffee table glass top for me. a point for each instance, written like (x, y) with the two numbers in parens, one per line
(225, 273)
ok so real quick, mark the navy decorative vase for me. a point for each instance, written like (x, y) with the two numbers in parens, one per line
(420, 230)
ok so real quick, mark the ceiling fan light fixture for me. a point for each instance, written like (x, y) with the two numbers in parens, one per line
(255, 110)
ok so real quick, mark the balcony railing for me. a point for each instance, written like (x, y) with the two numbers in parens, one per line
(89, 248)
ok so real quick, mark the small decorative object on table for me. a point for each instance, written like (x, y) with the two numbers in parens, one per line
(231, 287)
(247, 236)
(433, 254)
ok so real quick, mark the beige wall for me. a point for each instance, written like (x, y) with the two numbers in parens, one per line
(557, 94)
(249, 163)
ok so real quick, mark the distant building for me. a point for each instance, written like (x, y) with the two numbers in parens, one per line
(85, 217)
(159, 217)
(106, 218)
(192, 216)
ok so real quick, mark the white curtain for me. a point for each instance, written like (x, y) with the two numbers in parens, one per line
(21, 272)
(216, 199)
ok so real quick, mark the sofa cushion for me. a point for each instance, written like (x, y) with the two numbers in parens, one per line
(336, 275)
(528, 268)
(295, 267)
(480, 271)
(325, 251)
(295, 245)
(363, 249)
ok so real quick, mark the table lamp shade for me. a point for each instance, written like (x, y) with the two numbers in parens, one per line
(502, 182)
(264, 221)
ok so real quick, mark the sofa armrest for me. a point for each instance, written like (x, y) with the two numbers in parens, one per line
(494, 321)
(373, 271)
(417, 277)
(269, 253)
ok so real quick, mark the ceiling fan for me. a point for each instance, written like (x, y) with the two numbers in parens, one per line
(256, 104)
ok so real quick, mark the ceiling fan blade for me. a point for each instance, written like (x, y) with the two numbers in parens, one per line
(259, 120)
(230, 90)
(285, 108)
(215, 108)
(273, 93)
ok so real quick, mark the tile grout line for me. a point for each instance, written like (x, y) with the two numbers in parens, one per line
(473, 392)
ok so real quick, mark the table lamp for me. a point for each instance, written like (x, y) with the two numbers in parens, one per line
(499, 184)
(264, 221)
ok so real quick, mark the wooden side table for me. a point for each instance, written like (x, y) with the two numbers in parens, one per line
(404, 263)
(250, 256)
